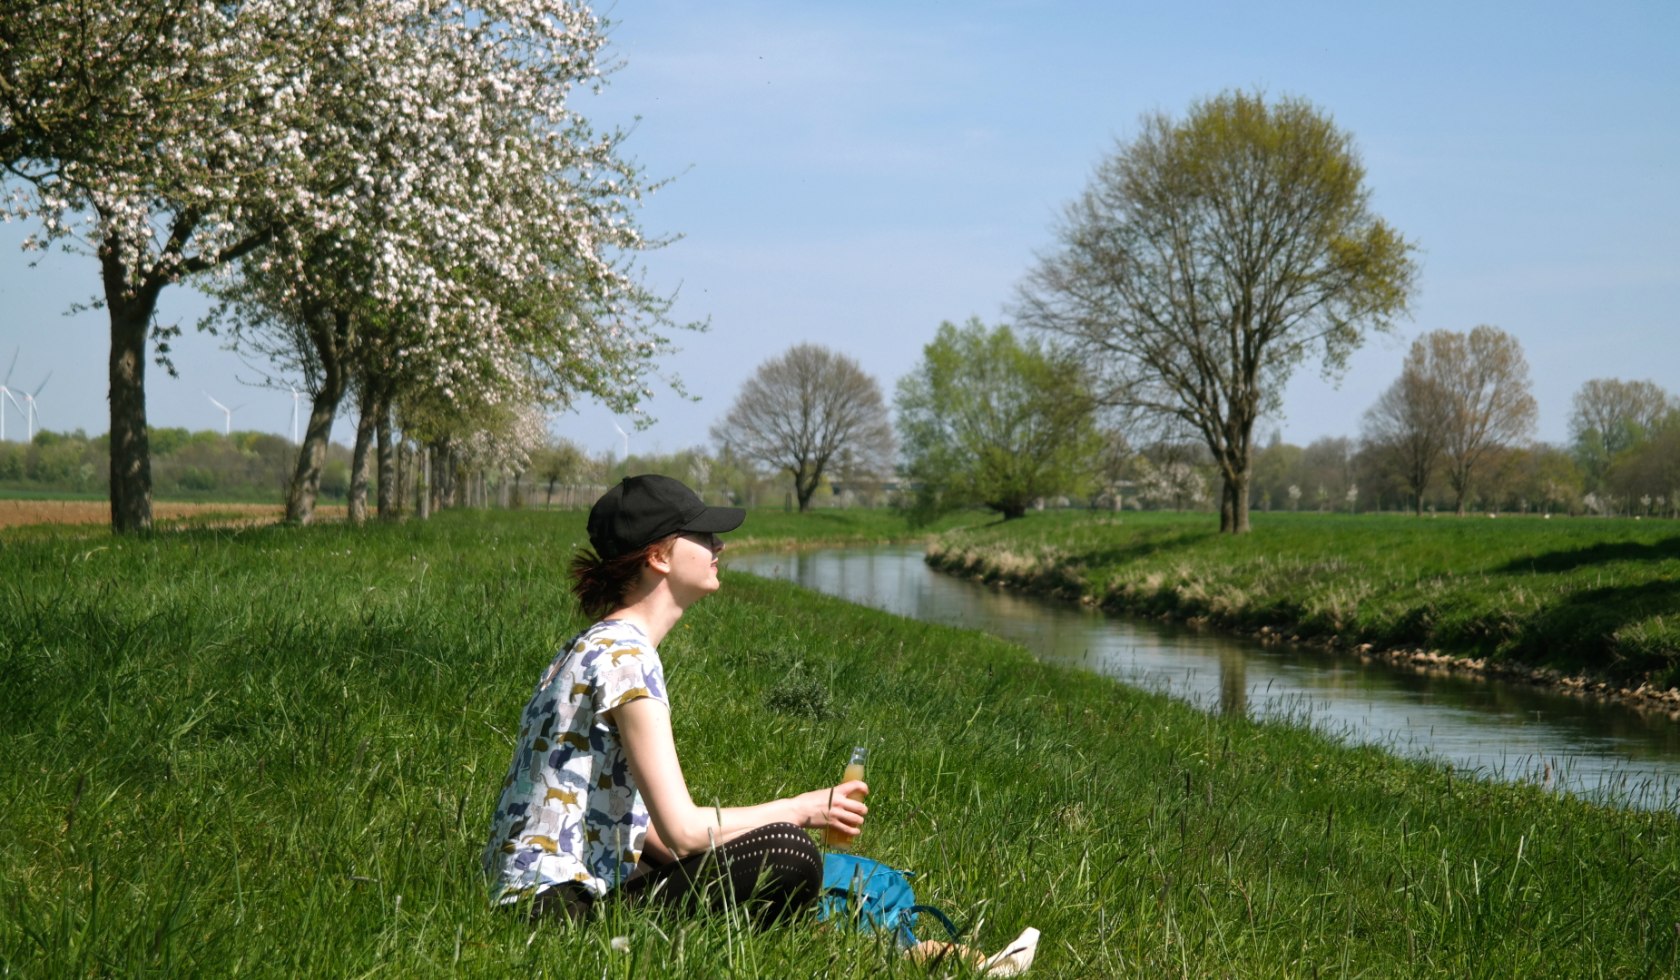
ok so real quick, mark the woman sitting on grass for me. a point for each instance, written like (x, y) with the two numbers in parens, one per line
(594, 801)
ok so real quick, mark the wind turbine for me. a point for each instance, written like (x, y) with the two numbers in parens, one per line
(626, 436)
(227, 414)
(295, 396)
(29, 400)
(7, 394)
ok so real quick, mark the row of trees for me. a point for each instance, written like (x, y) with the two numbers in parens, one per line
(991, 419)
(259, 466)
(392, 200)
(1462, 411)
(237, 465)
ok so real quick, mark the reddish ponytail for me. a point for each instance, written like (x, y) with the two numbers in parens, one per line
(602, 584)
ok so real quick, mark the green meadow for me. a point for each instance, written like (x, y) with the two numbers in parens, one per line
(1575, 595)
(272, 751)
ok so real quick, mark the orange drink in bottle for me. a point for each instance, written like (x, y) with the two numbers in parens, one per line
(854, 770)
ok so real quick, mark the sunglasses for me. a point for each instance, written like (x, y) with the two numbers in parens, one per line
(705, 539)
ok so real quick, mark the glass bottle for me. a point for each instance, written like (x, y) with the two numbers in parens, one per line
(854, 770)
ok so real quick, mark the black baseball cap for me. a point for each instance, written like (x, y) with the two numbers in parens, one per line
(642, 509)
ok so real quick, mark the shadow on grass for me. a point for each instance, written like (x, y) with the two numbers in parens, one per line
(1143, 547)
(1597, 554)
(1581, 632)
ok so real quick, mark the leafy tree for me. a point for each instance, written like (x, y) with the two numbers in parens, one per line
(1275, 468)
(1407, 428)
(1609, 416)
(418, 159)
(561, 461)
(1540, 477)
(1112, 467)
(1211, 256)
(1327, 463)
(987, 419)
(807, 409)
(1649, 468)
(1482, 379)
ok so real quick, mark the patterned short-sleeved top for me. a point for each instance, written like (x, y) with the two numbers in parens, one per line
(569, 809)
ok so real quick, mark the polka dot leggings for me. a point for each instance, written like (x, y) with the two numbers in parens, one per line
(770, 873)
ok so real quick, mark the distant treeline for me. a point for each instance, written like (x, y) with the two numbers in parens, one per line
(240, 465)
(1333, 474)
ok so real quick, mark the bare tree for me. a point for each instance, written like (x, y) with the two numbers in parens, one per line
(1407, 428)
(1210, 257)
(1610, 416)
(803, 410)
(1483, 378)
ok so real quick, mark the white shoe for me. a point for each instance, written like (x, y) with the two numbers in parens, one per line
(1012, 960)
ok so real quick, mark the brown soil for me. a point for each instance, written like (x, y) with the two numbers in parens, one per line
(20, 513)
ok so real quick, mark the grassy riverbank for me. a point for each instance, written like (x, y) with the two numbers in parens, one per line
(272, 751)
(1576, 596)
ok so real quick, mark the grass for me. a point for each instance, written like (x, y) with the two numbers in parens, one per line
(1578, 596)
(273, 751)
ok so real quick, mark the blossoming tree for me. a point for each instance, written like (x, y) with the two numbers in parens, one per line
(406, 170)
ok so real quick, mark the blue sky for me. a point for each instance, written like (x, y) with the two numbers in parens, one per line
(854, 173)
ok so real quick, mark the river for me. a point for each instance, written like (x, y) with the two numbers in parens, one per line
(1505, 730)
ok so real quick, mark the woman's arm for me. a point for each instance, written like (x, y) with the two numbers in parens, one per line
(680, 827)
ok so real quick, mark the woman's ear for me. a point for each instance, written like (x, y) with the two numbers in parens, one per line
(659, 556)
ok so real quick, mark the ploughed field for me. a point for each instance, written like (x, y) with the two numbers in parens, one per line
(24, 513)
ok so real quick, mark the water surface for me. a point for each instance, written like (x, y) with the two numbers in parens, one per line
(1498, 728)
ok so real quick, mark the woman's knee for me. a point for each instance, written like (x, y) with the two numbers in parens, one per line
(789, 862)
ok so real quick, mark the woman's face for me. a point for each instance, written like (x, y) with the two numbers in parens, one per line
(694, 564)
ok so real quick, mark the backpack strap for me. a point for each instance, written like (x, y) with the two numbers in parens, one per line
(907, 938)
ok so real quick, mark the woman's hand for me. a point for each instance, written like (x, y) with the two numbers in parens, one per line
(834, 808)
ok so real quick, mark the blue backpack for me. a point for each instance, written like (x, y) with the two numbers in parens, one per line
(873, 897)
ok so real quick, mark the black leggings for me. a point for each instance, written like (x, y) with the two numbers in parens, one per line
(770, 872)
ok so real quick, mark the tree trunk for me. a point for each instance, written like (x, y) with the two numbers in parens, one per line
(1010, 509)
(388, 495)
(329, 331)
(805, 486)
(1234, 477)
(399, 457)
(312, 457)
(130, 311)
(443, 477)
(422, 482)
(130, 450)
(365, 423)
(438, 470)
(1233, 516)
(458, 485)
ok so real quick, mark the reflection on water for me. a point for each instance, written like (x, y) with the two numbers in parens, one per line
(1510, 731)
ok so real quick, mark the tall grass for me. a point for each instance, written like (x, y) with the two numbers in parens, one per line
(273, 751)
(1600, 597)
